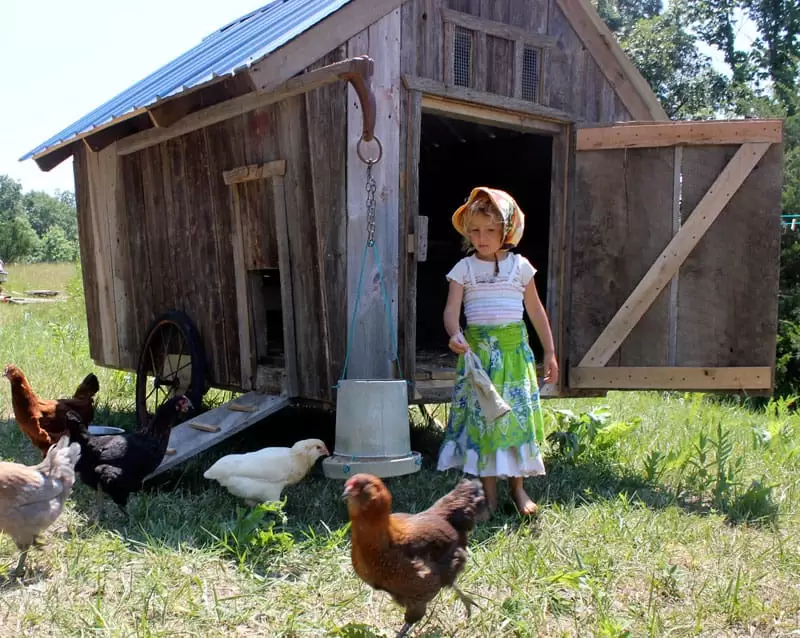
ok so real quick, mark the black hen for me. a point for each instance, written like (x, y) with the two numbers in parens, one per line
(118, 463)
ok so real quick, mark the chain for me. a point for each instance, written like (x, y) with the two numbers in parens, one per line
(371, 188)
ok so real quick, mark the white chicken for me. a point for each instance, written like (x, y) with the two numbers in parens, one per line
(260, 476)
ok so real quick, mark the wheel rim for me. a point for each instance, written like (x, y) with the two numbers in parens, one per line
(166, 367)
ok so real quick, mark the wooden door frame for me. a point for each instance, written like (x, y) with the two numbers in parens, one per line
(252, 377)
(429, 96)
(754, 138)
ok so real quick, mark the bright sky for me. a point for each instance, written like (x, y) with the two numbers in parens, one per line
(61, 59)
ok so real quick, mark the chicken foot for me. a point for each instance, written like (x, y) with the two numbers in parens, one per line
(403, 630)
(19, 571)
(468, 602)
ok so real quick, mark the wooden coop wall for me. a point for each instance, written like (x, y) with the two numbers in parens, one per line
(573, 82)
(156, 230)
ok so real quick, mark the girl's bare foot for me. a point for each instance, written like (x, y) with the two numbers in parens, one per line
(524, 503)
(490, 491)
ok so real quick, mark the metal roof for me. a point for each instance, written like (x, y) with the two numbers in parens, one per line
(236, 45)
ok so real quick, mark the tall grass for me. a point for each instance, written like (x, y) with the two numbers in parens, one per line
(663, 514)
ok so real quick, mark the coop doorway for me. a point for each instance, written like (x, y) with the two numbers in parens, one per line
(455, 156)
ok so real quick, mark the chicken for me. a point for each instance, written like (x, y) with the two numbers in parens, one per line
(260, 476)
(32, 497)
(411, 556)
(44, 421)
(118, 463)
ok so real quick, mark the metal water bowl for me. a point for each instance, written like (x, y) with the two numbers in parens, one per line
(99, 430)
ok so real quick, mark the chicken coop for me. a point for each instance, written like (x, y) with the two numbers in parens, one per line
(223, 215)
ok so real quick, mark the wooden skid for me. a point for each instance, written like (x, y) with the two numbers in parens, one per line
(677, 378)
(188, 440)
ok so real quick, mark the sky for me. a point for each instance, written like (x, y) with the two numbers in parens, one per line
(60, 59)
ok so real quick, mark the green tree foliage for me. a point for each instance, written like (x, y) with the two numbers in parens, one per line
(36, 226)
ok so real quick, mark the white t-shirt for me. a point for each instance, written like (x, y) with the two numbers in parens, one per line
(491, 299)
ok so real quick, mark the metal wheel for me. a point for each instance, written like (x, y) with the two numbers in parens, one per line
(172, 361)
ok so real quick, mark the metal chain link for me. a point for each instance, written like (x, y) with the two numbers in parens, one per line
(371, 189)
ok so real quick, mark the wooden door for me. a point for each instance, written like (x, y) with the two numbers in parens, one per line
(674, 256)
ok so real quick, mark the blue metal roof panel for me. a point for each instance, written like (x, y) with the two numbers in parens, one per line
(236, 45)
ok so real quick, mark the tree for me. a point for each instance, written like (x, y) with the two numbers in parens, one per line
(18, 240)
(666, 54)
(45, 211)
(55, 246)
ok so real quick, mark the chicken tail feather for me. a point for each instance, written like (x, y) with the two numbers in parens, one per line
(463, 506)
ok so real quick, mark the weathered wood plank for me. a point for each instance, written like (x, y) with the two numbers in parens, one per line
(728, 286)
(225, 146)
(670, 259)
(102, 175)
(312, 363)
(372, 350)
(408, 265)
(237, 106)
(140, 274)
(649, 181)
(678, 378)
(289, 314)
(326, 110)
(598, 243)
(629, 84)
(647, 135)
(254, 171)
(501, 103)
(83, 201)
(244, 323)
(566, 88)
(188, 441)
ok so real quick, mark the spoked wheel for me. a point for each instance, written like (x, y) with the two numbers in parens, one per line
(172, 361)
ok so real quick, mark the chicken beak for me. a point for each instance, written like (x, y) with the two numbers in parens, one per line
(348, 492)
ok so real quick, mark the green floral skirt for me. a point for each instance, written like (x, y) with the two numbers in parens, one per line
(510, 445)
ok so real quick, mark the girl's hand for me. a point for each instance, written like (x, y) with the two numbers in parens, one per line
(550, 368)
(458, 343)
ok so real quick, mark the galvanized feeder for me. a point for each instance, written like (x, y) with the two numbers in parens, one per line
(372, 430)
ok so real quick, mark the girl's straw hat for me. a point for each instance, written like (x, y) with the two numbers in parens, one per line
(509, 210)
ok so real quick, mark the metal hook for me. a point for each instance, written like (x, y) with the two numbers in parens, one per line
(370, 161)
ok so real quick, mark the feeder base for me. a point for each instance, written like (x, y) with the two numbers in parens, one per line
(343, 467)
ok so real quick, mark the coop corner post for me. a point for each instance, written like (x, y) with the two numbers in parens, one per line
(371, 351)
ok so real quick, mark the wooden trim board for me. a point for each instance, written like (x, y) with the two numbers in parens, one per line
(239, 106)
(188, 441)
(506, 108)
(678, 378)
(250, 172)
(648, 135)
(671, 258)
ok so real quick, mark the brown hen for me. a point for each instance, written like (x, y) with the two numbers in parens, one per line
(44, 421)
(411, 556)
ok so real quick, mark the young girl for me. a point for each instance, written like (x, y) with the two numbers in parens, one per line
(494, 284)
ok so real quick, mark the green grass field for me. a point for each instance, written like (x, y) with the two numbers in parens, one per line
(663, 514)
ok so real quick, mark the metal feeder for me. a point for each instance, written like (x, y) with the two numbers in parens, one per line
(372, 430)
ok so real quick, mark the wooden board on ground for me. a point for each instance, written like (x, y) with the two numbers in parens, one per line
(187, 441)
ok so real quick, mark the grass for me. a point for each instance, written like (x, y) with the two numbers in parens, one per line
(663, 514)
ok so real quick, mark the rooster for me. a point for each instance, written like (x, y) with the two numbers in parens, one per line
(32, 498)
(411, 556)
(118, 463)
(44, 421)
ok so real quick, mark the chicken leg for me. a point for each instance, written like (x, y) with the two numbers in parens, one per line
(468, 602)
(19, 572)
(403, 630)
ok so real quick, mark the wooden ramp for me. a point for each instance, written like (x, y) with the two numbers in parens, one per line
(209, 428)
